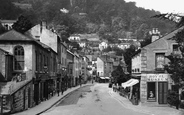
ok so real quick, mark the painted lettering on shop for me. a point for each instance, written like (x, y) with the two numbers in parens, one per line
(157, 77)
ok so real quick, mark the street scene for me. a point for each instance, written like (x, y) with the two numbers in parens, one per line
(91, 57)
(101, 100)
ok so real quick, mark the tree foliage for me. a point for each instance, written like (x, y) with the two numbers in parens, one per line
(128, 56)
(111, 19)
(8, 11)
(119, 75)
(2, 29)
(22, 24)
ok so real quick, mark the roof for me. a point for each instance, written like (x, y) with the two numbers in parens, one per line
(137, 52)
(7, 53)
(167, 36)
(70, 52)
(106, 58)
(8, 21)
(14, 36)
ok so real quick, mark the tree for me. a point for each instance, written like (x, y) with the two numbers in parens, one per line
(128, 56)
(75, 45)
(22, 24)
(119, 75)
(2, 29)
(8, 10)
(108, 49)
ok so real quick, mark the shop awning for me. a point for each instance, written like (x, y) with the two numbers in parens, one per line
(130, 83)
(107, 78)
(102, 78)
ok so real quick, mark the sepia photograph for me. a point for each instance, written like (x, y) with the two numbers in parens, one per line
(91, 57)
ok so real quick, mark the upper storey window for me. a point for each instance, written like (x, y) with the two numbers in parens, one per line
(19, 58)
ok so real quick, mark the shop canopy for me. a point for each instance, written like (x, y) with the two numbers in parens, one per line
(104, 78)
(129, 83)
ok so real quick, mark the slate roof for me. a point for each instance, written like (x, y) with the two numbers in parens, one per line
(14, 36)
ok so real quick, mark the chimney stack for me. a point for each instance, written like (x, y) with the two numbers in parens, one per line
(155, 34)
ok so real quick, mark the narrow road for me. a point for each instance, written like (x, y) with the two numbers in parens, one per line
(91, 100)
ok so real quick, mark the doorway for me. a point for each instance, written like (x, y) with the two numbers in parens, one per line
(162, 92)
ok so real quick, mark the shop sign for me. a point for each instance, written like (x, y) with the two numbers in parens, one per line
(157, 77)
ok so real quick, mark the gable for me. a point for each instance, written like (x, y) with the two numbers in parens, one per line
(14, 36)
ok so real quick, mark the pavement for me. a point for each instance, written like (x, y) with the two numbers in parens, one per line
(46, 105)
(150, 110)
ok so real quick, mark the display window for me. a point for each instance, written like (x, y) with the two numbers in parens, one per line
(151, 94)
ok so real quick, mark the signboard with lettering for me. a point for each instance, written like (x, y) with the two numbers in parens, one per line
(157, 77)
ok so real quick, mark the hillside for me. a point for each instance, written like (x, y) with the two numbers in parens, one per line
(111, 19)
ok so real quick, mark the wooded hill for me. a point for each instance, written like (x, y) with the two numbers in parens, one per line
(111, 19)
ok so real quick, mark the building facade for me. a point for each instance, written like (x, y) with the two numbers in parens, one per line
(70, 68)
(148, 64)
(25, 84)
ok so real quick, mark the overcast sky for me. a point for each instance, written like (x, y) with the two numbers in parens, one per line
(164, 6)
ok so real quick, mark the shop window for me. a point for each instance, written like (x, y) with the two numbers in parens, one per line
(151, 95)
(160, 61)
(19, 58)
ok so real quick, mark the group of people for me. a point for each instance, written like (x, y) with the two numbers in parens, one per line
(62, 89)
(115, 87)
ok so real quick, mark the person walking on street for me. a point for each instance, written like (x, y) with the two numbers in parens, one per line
(58, 91)
(62, 87)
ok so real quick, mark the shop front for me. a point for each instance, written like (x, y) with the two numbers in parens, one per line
(154, 88)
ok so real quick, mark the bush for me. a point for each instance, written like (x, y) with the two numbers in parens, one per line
(173, 98)
(182, 105)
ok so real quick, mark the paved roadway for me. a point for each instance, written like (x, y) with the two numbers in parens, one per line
(91, 100)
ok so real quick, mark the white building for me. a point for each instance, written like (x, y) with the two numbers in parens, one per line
(103, 45)
(75, 37)
(136, 64)
(100, 67)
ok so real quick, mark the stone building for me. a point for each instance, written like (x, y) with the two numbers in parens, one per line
(32, 65)
(148, 65)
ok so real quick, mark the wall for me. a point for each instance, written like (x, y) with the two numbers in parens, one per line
(2, 66)
(100, 67)
(136, 63)
(28, 49)
(22, 98)
(163, 45)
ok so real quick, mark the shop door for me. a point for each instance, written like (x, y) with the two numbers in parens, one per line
(162, 92)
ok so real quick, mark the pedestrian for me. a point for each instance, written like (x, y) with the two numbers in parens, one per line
(113, 87)
(62, 90)
(62, 87)
(58, 91)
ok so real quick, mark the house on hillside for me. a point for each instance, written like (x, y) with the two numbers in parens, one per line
(104, 68)
(7, 24)
(103, 45)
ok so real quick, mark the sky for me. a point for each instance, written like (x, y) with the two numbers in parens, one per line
(164, 6)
